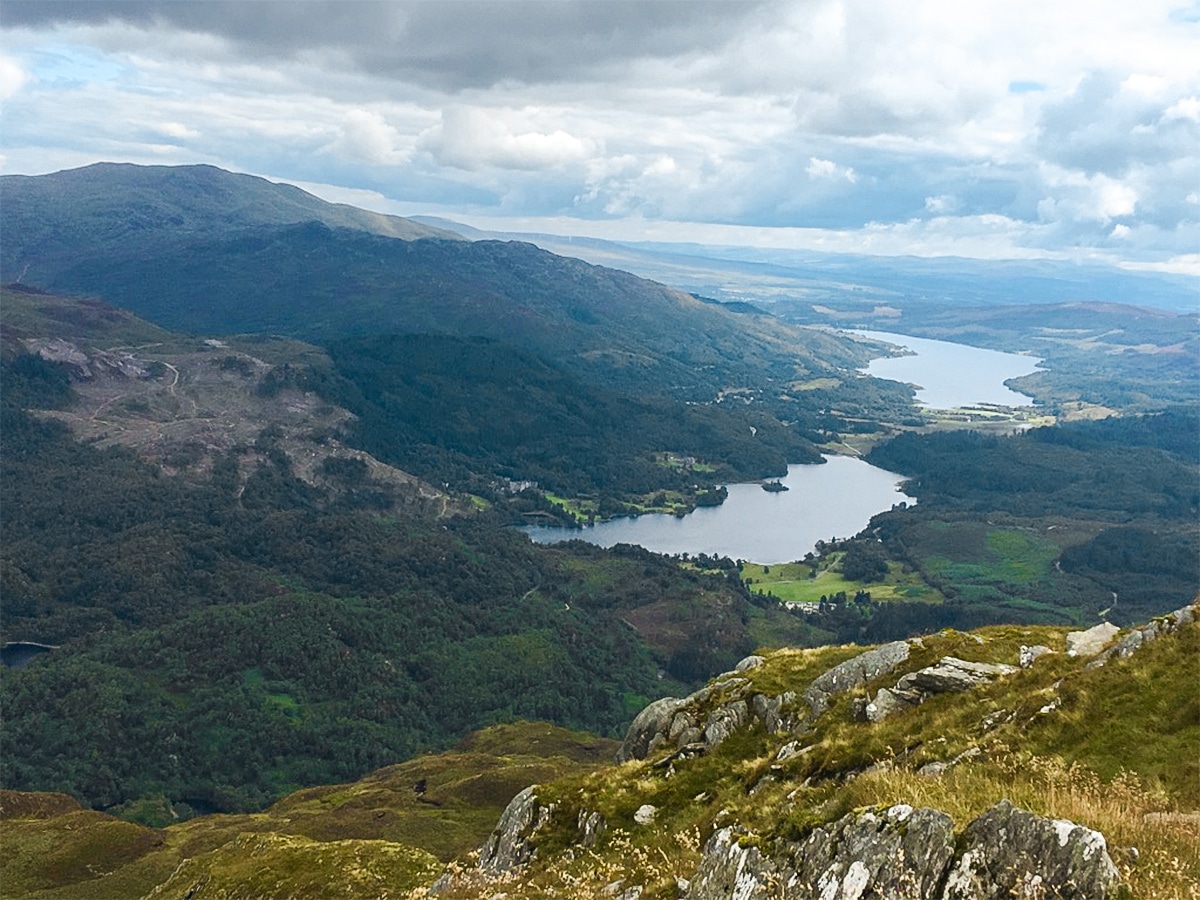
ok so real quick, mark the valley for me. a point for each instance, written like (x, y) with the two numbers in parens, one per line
(265, 466)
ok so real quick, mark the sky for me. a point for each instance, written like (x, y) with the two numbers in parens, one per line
(1065, 129)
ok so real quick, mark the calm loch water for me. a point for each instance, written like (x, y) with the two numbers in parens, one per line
(951, 375)
(836, 499)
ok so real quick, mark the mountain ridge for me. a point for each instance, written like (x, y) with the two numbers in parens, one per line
(114, 204)
(320, 280)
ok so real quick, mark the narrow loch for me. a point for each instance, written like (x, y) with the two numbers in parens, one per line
(836, 499)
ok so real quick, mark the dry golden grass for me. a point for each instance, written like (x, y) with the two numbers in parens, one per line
(1155, 845)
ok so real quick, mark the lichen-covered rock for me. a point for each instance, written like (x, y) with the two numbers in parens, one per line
(1029, 655)
(509, 844)
(724, 721)
(645, 814)
(750, 662)
(889, 701)
(653, 722)
(732, 870)
(856, 672)
(1092, 641)
(1151, 631)
(899, 854)
(952, 675)
(671, 721)
(591, 826)
(683, 723)
(1011, 853)
(910, 854)
(772, 710)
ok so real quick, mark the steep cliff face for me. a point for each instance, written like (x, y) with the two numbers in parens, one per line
(992, 773)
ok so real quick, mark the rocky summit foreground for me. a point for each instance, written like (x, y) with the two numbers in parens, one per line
(1001, 763)
(1026, 762)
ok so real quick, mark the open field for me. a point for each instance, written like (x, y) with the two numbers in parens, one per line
(792, 583)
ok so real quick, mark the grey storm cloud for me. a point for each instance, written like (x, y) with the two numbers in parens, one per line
(1100, 128)
(451, 44)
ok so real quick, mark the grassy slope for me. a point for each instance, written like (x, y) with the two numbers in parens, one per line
(1121, 750)
(311, 844)
(792, 583)
(1120, 753)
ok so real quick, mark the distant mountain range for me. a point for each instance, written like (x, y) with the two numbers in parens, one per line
(803, 278)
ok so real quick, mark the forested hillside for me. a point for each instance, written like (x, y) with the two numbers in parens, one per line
(236, 630)
(1086, 517)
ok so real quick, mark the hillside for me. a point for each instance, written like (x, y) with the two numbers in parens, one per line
(1030, 762)
(259, 260)
(119, 209)
(189, 525)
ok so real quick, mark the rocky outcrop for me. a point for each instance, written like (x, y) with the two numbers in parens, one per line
(85, 366)
(703, 720)
(695, 724)
(1092, 641)
(1027, 656)
(510, 843)
(649, 729)
(903, 853)
(750, 662)
(1008, 852)
(950, 675)
(888, 702)
(900, 852)
(853, 673)
(1151, 631)
(733, 868)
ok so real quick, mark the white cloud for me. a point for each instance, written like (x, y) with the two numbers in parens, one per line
(828, 169)
(1064, 127)
(1186, 108)
(366, 135)
(12, 77)
(177, 130)
(473, 138)
(941, 205)
(1080, 197)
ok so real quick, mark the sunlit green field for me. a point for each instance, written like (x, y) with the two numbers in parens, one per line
(794, 583)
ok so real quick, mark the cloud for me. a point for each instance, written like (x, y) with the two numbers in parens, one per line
(1074, 126)
(12, 77)
(472, 138)
(450, 44)
(827, 168)
(367, 136)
